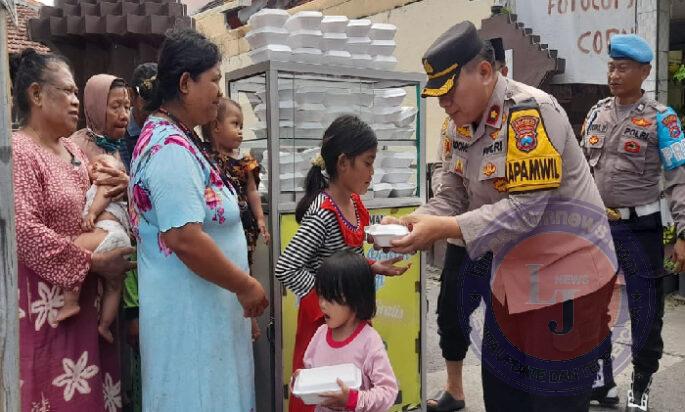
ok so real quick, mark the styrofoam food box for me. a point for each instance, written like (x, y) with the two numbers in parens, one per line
(383, 235)
(384, 131)
(268, 17)
(311, 383)
(309, 95)
(390, 114)
(265, 36)
(381, 190)
(362, 60)
(334, 41)
(382, 47)
(339, 98)
(404, 133)
(277, 52)
(364, 98)
(285, 92)
(334, 24)
(407, 116)
(337, 58)
(310, 113)
(398, 160)
(358, 45)
(304, 20)
(305, 39)
(389, 97)
(309, 130)
(290, 180)
(307, 55)
(358, 27)
(377, 175)
(384, 62)
(403, 190)
(383, 31)
(286, 110)
(397, 175)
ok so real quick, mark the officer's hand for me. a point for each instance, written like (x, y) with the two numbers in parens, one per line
(678, 256)
(424, 230)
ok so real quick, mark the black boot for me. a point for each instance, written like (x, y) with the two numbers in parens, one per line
(605, 395)
(638, 395)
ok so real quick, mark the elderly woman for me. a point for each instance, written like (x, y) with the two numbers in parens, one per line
(196, 294)
(64, 366)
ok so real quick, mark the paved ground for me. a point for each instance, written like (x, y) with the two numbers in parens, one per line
(668, 389)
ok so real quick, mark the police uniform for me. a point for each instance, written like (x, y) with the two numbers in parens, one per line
(627, 152)
(500, 176)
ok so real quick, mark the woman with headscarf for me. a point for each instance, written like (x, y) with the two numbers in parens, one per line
(64, 366)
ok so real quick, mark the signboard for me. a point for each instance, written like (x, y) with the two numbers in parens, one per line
(398, 315)
(580, 30)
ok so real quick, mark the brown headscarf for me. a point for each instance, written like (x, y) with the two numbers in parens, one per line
(95, 97)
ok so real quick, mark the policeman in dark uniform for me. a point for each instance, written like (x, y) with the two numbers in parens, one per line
(628, 140)
(512, 168)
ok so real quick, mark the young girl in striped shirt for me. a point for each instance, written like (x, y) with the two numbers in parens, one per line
(332, 217)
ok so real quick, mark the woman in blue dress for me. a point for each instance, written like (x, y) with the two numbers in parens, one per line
(196, 295)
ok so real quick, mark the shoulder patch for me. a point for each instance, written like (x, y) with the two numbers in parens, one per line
(671, 142)
(532, 161)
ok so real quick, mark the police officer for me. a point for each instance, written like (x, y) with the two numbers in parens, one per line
(454, 307)
(513, 171)
(628, 139)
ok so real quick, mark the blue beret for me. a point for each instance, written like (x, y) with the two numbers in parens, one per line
(630, 46)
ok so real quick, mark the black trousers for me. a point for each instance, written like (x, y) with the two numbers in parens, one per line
(640, 252)
(461, 284)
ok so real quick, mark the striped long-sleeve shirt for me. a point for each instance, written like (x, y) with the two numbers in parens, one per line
(318, 237)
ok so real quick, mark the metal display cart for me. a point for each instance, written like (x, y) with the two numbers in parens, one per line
(286, 108)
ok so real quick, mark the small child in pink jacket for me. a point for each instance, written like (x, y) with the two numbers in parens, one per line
(347, 296)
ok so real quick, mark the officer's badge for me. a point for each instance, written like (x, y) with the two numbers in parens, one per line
(593, 140)
(464, 131)
(525, 133)
(641, 122)
(446, 147)
(459, 167)
(671, 123)
(493, 115)
(489, 169)
(500, 184)
(631, 146)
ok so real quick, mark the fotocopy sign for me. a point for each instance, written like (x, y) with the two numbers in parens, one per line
(580, 30)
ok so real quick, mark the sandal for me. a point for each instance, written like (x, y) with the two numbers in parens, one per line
(445, 403)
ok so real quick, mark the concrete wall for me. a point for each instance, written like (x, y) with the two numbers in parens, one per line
(653, 18)
(419, 23)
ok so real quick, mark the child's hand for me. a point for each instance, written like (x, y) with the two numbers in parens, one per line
(89, 222)
(388, 268)
(337, 399)
(264, 231)
(256, 332)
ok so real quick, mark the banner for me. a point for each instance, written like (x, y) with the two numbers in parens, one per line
(398, 315)
(580, 30)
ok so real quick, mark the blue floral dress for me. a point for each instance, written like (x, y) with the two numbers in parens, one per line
(196, 346)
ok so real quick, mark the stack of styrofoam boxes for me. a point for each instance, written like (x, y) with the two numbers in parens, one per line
(358, 42)
(334, 30)
(268, 37)
(383, 46)
(305, 37)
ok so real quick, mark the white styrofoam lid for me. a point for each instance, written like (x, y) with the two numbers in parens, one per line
(335, 19)
(402, 186)
(359, 22)
(362, 57)
(383, 126)
(389, 59)
(308, 14)
(311, 107)
(358, 40)
(335, 36)
(394, 92)
(308, 50)
(323, 379)
(266, 29)
(386, 110)
(394, 230)
(273, 47)
(381, 186)
(383, 26)
(338, 53)
(304, 32)
(383, 43)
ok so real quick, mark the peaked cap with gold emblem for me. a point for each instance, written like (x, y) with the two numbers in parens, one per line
(447, 55)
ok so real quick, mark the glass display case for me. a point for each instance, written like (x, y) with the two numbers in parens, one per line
(286, 108)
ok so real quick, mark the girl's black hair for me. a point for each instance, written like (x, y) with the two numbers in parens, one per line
(346, 278)
(183, 51)
(26, 68)
(224, 102)
(347, 135)
(143, 79)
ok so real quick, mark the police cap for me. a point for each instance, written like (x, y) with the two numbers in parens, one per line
(631, 47)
